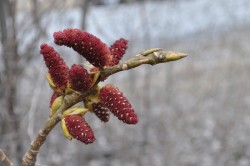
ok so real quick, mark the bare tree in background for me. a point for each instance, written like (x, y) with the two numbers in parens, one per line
(10, 77)
(14, 64)
(84, 10)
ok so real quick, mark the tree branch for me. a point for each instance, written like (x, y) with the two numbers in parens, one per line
(147, 57)
(5, 159)
(150, 56)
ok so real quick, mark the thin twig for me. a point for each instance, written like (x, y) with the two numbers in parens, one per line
(146, 57)
(6, 161)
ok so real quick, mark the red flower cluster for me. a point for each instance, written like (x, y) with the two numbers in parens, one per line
(112, 98)
(101, 111)
(79, 129)
(118, 49)
(86, 44)
(58, 69)
(79, 78)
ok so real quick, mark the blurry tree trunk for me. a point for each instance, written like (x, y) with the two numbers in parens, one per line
(10, 121)
(84, 10)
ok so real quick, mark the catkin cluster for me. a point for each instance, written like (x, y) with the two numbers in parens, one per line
(79, 79)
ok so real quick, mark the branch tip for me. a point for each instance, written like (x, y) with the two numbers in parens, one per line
(171, 56)
(182, 55)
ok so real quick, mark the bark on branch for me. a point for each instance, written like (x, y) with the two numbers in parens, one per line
(5, 159)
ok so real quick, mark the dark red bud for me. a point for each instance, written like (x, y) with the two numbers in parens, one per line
(58, 69)
(79, 129)
(101, 111)
(118, 104)
(79, 78)
(118, 49)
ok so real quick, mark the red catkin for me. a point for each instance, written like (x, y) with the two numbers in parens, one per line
(79, 129)
(101, 111)
(86, 44)
(79, 78)
(118, 49)
(118, 104)
(58, 69)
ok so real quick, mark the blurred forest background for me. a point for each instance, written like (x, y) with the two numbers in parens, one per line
(193, 112)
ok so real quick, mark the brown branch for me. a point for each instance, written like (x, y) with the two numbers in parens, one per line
(29, 158)
(6, 161)
(150, 56)
(147, 57)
